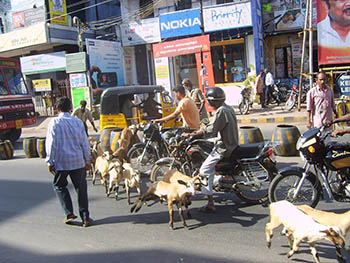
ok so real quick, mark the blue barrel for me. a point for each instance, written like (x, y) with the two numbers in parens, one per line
(248, 134)
(29, 147)
(6, 150)
(286, 137)
(40, 147)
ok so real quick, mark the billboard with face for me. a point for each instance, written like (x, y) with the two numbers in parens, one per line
(333, 31)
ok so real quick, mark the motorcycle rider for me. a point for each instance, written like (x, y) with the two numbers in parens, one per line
(340, 132)
(224, 123)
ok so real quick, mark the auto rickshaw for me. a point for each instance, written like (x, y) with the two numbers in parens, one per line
(123, 106)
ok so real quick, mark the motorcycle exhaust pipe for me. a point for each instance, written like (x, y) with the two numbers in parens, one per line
(247, 186)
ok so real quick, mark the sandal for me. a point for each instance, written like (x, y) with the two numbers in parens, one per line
(207, 209)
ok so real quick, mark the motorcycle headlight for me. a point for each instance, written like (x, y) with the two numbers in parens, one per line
(300, 143)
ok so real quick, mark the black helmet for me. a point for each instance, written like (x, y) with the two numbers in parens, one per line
(215, 96)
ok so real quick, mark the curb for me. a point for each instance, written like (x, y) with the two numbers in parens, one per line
(273, 120)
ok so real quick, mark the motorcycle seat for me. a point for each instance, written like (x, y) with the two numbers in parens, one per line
(338, 146)
(246, 151)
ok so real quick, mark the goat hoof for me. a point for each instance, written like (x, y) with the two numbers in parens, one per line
(268, 244)
(185, 227)
(171, 226)
(289, 254)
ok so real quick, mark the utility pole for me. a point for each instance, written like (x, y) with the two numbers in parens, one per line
(81, 28)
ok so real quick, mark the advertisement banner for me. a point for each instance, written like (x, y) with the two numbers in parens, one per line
(43, 63)
(79, 94)
(181, 47)
(182, 23)
(258, 35)
(139, 33)
(41, 85)
(333, 37)
(106, 60)
(161, 66)
(78, 80)
(290, 19)
(28, 17)
(25, 37)
(227, 16)
(58, 12)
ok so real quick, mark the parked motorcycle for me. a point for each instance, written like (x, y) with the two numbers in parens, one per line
(245, 102)
(293, 96)
(279, 93)
(247, 172)
(331, 163)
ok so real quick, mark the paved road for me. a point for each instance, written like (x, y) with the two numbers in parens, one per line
(32, 230)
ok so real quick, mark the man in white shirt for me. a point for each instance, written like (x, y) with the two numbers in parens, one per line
(334, 30)
(269, 82)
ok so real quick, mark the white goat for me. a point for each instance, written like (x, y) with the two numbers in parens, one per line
(128, 174)
(300, 227)
(179, 193)
(102, 167)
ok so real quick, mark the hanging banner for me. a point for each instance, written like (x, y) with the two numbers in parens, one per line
(227, 16)
(78, 80)
(139, 33)
(333, 37)
(258, 35)
(58, 12)
(43, 63)
(41, 85)
(106, 60)
(79, 94)
(161, 66)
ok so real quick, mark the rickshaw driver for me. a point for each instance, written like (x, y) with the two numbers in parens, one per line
(188, 110)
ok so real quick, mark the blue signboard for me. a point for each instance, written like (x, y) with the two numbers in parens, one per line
(182, 23)
(258, 35)
(343, 84)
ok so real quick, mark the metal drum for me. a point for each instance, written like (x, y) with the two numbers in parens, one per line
(6, 150)
(29, 147)
(286, 136)
(40, 147)
(248, 134)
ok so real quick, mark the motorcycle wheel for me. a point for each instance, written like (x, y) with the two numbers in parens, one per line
(257, 195)
(283, 186)
(158, 170)
(244, 107)
(290, 103)
(144, 166)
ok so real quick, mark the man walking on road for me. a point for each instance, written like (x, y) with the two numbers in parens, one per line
(84, 114)
(320, 103)
(68, 153)
(269, 82)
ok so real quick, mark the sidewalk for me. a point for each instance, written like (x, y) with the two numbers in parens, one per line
(272, 114)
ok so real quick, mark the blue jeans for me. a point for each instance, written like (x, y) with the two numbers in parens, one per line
(78, 178)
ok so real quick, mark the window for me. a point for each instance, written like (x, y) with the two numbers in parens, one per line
(229, 63)
(3, 89)
(183, 4)
(218, 2)
(283, 62)
(15, 81)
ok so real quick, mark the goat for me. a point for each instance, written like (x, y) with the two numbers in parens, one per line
(128, 174)
(124, 142)
(102, 166)
(328, 218)
(179, 193)
(300, 227)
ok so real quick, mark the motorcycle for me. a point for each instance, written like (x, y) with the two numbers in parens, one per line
(293, 97)
(247, 172)
(245, 102)
(279, 93)
(331, 163)
(143, 155)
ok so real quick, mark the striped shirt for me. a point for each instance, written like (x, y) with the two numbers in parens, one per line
(67, 146)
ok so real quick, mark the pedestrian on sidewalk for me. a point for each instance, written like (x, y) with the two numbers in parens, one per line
(260, 88)
(84, 114)
(197, 96)
(320, 103)
(269, 82)
(68, 153)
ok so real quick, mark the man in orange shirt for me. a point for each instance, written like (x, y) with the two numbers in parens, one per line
(186, 108)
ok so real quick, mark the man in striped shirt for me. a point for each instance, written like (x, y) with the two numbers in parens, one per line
(68, 153)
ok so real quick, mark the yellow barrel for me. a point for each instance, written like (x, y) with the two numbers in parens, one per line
(248, 134)
(40, 147)
(114, 139)
(286, 137)
(6, 150)
(29, 147)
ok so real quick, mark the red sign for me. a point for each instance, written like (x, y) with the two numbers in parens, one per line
(182, 47)
(18, 19)
(333, 34)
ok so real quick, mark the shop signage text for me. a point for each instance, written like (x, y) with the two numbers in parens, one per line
(44, 63)
(138, 33)
(343, 83)
(227, 17)
(41, 85)
(182, 46)
(180, 23)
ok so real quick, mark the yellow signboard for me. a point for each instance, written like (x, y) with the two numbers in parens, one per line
(41, 85)
(58, 12)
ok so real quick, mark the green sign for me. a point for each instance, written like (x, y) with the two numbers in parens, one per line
(76, 62)
(78, 94)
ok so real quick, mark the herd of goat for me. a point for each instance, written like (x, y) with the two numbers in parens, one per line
(300, 223)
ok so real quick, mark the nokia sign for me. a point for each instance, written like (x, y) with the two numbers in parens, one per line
(182, 23)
